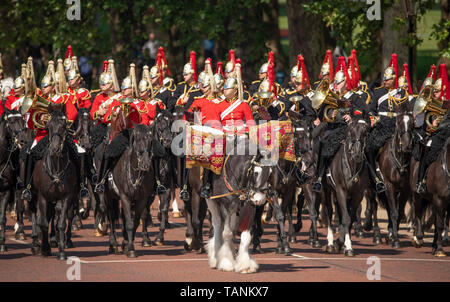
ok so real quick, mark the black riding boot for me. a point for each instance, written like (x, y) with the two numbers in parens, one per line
(84, 192)
(321, 167)
(421, 183)
(206, 184)
(106, 166)
(184, 194)
(160, 189)
(29, 164)
(379, 184)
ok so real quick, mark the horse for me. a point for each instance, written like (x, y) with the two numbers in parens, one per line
(394, 162)
(55, 179)
(166, 159)
(133, 176)
(437, 196)
(348, 180)
(12, 138)
(247, 178)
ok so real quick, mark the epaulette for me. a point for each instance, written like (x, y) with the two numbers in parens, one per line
(257, 81)
(95, 91)
(199, 97)
(181, 83)
(217, 101)
(290, 91)
(378, 88)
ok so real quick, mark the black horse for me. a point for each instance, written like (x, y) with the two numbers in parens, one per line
(247, 179)
(436, 196)
(394, 164)
(133, 176)
(347, 180)
(56, 182)
(13, 136)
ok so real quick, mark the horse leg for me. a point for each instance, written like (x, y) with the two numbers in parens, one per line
(53, 233)
(225, 255)
(346, 222)
(313, 211)
(289, 197)
(368, 224)
(146, 242)
(358, 224)
(279, 217)
(244, 262)
(196, 225)
(164, 210)
(327, 214)
(300, 203)
(374, 213)
(215, 243)
(70, 213)
(20, 231)
(113, 245)
(43, 219)
(4, 198)
(60, 211)
(440, 210)
(201, 216)
(128, 226)
(393, 215)
(35, 231)
(337, 218)
(189, 229)
(257, 230)
(418, 227)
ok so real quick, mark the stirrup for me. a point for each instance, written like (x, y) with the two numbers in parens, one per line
(84, 192)
(317, 186)
(380, 187)
(94, 178)
(26, 194)
(99, 188)
(421, 187)
(205, 191)
(160, 189)
(184, 194)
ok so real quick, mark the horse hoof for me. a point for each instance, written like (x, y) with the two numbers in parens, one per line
(3, 248)
(114, 250)
(416, 244)
(176, 215)
(20, 236)
(292, 239)
(62, 256)
(376, 240)
(146, 243)
(46, 253)
(440, 253)
(360, 234)
(367, 227)
(69, 244)
(316, 244)
(200, 250)
(279, 250)
(187, 247)
(35, 250)
(349, 253)
(131, 254)
(159, 242)
(331, 249)
(53, 244)
(396, 245)
(257, 249)
(287, 251)
(75, 228)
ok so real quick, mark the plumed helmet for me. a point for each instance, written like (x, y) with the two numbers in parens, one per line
(231, 83)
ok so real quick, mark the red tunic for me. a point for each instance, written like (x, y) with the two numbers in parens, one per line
(133, 117)
(208, 109)
(81, 97)
(14, 102)
(101, 99)
(147, 110)
(234, 121)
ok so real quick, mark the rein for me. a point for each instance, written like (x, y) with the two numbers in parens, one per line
(354, 178)
(401, 168)
(58, 177)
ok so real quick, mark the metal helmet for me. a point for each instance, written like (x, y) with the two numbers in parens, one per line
(19, 83)
(144, 85)
(154, 72)
(229, 66)
(190, 68)
(325, 70)
(201, 79)
(105, 78)
(437, 85)
(294, 71)
(68, 58)
(231, 83)
(126, 83)
(219, 80)
(389, 73)
(403, 82)
(73, 73)
(49, 78)
(298, 77)
(339, 77)
(263, 68)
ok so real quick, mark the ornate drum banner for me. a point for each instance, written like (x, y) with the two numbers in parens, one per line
(205, 148)
(275, 134)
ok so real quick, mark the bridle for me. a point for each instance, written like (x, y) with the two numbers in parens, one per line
(354, 175)
(396, 140)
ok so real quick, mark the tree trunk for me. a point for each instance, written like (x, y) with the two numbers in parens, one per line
(307, 36)
(274, 43)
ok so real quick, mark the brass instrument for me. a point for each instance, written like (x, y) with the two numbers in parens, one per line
(40, 115)
(423, 99)
(296, 100)
(435, 112)
(264, 98)
(323, 94)
(125, 105)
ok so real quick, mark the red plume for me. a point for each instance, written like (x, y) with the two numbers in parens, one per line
(329, 59)
(238, 61)
(69, 52)
(231, 57)
(219, 69)
(163, 56)
(342, 66)
(394, 64)
(193, 64)
(406, 74)
(355, 59)
(270, 58)
(432, 72)
(160, 69)
(105, 66)
(354, 75)
(271, 78)
(443, 75)
(301, 62)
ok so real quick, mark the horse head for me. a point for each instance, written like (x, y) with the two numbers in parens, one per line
(140, 141)
(302, 134)
(82, 132)
(358, 128)
(57, 130)
(16, 131)
(404, 127)
(162, 127)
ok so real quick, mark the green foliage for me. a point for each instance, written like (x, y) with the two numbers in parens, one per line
(441, 32)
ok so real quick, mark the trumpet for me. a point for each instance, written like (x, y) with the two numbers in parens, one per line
(40, 105)
(323, 94)
(125, 105)
(423, 99)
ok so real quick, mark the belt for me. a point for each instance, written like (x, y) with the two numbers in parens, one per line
(388, 114)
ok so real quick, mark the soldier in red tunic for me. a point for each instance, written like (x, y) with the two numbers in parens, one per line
(80, 96)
